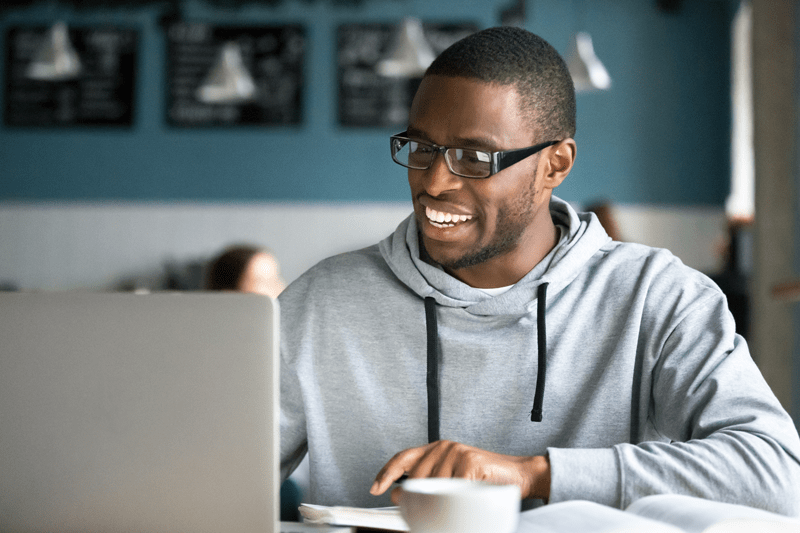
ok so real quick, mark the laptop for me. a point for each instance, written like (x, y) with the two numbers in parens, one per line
(139, 412)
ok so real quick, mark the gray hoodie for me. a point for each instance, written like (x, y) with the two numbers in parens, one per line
(648, 389)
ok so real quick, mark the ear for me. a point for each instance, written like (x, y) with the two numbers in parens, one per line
(558, 162)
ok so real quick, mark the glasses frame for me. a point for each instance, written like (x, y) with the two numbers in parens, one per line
(499, 160)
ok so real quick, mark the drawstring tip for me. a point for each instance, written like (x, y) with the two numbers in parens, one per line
(536, 415)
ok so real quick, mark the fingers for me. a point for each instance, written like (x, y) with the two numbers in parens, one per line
(394, 470)
(440, 459)
(432, 460)
(450, 459)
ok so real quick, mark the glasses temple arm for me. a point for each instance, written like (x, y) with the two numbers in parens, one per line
(503, 160)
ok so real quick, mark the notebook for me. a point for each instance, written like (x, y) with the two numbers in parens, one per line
(139, 413)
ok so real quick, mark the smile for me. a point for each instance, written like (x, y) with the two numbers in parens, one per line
(441, 219)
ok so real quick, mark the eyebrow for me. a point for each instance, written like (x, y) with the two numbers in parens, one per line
(477, 143)
(413, 132)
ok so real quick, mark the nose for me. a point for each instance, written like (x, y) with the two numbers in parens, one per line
(438, 179)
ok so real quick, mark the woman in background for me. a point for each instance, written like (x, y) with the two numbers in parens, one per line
(245, 268)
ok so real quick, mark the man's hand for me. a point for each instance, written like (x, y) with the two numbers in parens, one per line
(451, 459)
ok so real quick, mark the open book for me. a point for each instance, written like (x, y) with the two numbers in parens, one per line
(653, 514)
(378, 518)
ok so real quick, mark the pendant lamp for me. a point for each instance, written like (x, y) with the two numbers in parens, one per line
(228, 81)
(411, 54)
(588, 72)
(55, 59)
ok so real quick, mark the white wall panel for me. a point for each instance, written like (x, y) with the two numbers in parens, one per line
(96, 246)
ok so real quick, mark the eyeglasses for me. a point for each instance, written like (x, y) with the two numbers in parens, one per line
(462, 162)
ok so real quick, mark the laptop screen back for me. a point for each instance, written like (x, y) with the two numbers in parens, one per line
(138, 413)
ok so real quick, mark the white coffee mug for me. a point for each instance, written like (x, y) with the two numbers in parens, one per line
(450, 505)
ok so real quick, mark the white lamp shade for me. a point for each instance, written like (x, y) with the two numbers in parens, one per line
(55, 59)
(741, 204)
(411, 54)
(228, 81)
(588, 72)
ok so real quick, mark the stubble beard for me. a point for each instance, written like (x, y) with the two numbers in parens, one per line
(513, 219)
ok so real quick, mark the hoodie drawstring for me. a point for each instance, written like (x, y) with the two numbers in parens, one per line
(432, 379)
(541, 336)
(433, 369)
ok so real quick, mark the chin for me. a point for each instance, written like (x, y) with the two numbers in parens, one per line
(444, 256)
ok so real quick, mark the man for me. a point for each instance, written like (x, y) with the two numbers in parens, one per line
(425, 354)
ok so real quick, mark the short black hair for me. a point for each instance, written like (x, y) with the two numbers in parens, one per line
(513, 56)
(225, 271)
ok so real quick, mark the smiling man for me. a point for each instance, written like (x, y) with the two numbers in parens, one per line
(500, 335)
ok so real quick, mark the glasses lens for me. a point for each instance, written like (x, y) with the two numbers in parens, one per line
(412, 154)
(471, 163)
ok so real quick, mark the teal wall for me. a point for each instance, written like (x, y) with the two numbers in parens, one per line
(659, 136)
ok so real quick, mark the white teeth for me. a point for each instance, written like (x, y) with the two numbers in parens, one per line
(444, 220)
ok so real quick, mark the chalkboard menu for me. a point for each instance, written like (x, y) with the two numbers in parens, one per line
(269, 57)
(367, 99)
(100, 93)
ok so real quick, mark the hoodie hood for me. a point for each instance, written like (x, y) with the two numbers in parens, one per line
(584, 236)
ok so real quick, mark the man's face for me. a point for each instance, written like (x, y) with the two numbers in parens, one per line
(471, 226)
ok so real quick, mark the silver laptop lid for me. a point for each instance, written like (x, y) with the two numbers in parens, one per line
(138, 413)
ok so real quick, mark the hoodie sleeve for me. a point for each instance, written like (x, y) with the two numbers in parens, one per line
(292, 424)
(293, 433)
(725, 435)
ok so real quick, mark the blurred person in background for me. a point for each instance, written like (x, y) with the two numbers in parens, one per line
(605, 213)
(245, 268)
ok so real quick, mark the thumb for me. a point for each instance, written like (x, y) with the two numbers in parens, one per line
(397, 494)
